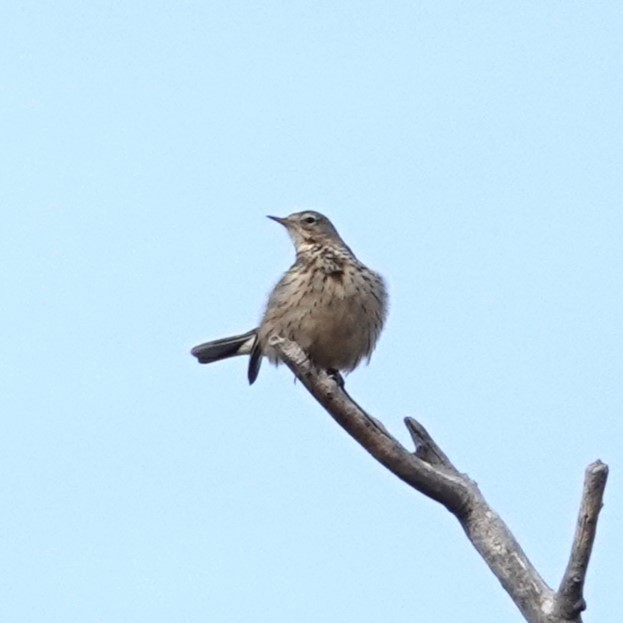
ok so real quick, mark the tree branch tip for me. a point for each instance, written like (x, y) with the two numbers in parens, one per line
(598, 467)
(425, 446)
(415, 430)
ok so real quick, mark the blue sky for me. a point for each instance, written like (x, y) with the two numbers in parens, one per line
(470, 152)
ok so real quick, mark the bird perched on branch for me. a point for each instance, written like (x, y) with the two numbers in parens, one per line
(328, 302)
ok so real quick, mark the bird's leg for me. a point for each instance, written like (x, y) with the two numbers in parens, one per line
(337, 377)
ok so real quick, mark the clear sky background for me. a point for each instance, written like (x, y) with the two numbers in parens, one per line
(472, 152)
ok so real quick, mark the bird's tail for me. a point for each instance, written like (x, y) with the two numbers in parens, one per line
(225, 347)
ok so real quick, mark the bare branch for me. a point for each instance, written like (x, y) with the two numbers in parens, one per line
(570, 597)
(431, 472)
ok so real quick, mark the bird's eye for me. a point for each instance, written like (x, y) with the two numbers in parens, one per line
(310, 220)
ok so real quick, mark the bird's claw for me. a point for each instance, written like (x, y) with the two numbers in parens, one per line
(337, 377)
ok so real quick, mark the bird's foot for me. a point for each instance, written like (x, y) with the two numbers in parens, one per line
(337, 377)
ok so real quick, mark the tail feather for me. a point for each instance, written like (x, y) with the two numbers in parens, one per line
(226, 347)
(255, 361)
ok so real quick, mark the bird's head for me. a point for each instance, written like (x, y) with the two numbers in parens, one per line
(309, 228)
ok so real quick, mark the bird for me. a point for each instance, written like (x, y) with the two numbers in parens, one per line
(328, 302)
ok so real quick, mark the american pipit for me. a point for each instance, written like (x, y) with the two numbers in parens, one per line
(329, 303)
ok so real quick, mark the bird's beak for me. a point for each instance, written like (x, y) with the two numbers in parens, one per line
(282, 221)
